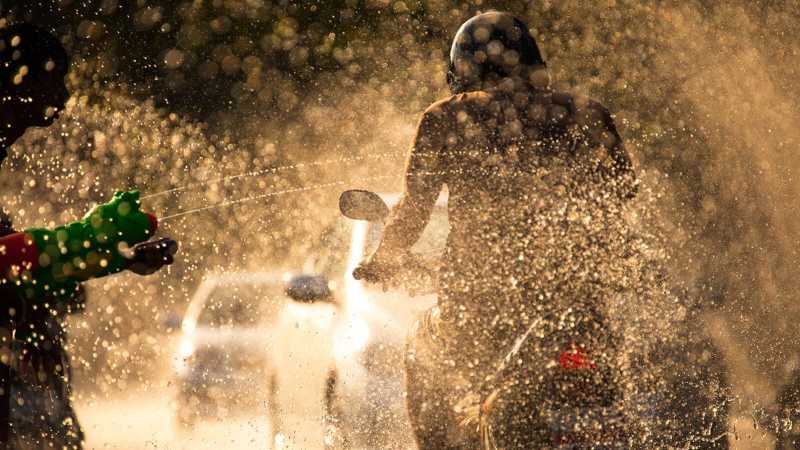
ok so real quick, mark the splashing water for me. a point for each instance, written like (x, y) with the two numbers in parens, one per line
(285, 192)
(729, 171)
(249, 199)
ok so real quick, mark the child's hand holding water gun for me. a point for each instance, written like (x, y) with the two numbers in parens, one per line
(112, 237)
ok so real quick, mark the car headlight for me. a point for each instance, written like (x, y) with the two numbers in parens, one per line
(351, 338)
(280, 442)
(185, 351)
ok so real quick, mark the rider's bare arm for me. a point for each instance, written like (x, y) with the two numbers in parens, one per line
(423, 182)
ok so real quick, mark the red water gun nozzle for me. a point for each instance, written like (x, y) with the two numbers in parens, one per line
(153, 223)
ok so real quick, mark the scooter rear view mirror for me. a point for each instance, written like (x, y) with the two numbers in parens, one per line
(359, 204)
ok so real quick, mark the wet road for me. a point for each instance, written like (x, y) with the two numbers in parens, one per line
(145, 420)
(144, 417)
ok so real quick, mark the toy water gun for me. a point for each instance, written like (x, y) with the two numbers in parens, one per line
(42, 262)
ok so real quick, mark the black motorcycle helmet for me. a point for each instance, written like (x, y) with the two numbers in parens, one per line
(492, 46)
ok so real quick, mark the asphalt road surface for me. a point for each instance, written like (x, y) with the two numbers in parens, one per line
(144, 419)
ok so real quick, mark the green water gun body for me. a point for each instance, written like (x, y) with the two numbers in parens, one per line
(42, 262)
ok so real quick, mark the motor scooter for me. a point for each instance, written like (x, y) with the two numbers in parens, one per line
(557, 386)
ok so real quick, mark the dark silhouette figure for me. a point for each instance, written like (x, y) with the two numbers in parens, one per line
(33, 88)
(41, 412)
(32, 93)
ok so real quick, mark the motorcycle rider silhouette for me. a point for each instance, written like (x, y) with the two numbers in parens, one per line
(537, 182)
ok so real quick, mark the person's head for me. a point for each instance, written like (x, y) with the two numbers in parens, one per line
(32, 88)
(490, 48)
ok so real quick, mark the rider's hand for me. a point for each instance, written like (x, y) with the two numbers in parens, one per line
(375, 270)
(148, 257)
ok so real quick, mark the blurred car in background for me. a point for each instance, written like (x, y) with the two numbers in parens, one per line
(307, 346)
(223, 362)
(256, 344)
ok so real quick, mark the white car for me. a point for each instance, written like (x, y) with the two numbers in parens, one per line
(247, 349)
(365, 396)
(224, 356)
(244, 343)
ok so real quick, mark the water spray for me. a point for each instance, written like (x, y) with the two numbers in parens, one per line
(281, 192)
(248, 199)
(271, 170)
(43, 262)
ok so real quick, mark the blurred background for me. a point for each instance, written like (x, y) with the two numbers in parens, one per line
(300, 95)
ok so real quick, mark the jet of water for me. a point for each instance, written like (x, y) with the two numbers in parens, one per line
(273, 170)
(248, 199)
(282, 192)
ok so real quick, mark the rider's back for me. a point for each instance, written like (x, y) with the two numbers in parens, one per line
(535, 180)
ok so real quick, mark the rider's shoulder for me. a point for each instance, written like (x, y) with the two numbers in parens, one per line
(577, 102)
(584, 110)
